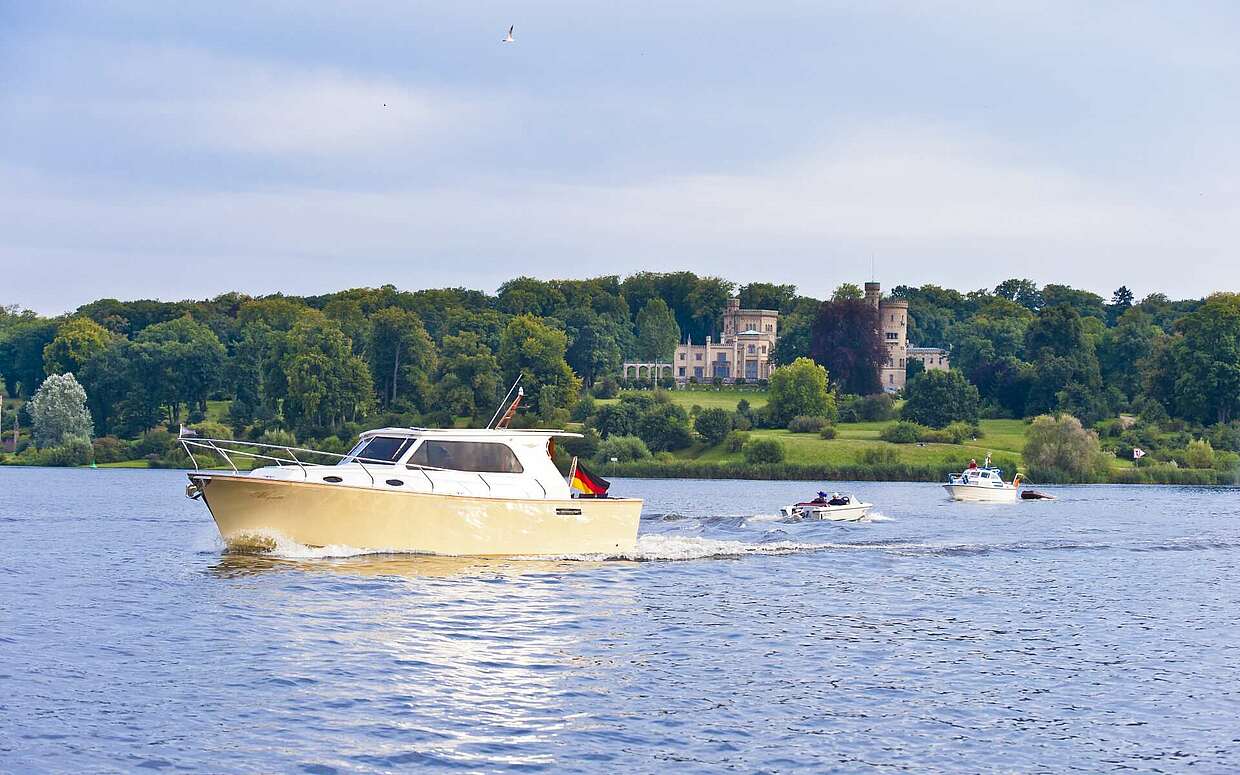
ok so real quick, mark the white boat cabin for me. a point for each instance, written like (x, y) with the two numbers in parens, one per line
(979, 477)
(474, 462)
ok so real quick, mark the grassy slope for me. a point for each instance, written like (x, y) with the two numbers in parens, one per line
(1002, 437)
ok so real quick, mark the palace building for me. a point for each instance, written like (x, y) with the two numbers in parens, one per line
(747, 342)
(743, 351)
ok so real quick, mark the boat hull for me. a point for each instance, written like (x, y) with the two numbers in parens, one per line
(250, 512)
(979, 494)
(850, 513)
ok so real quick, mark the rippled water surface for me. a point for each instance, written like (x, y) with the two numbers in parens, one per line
(1099, 631)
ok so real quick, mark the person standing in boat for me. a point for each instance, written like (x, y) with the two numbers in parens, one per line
(972, 463)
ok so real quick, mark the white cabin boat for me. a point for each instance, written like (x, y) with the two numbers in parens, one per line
(984, 484)
(445, 492)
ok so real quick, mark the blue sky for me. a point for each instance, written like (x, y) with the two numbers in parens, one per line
(152, 149)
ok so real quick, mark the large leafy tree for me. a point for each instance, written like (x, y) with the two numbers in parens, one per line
(594, 343)
(800, 388)
(1124, 347)
(1022, 292)
(846, 340)
(767, 296)
(469, 377)
(402, 358)
(1059, 448)
(936, 398)
(189, 360)
(796, 331)
(58, 411)
(1066, 364)
(657, 332)
(536, 351)
(75, 343)
(1207, 356)
(327, 385)
(22, 341)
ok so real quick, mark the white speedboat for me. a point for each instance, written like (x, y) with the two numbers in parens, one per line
(444, 492)
(982, 484)
(834, 507)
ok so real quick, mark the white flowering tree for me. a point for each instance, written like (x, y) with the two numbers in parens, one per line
(58, 411)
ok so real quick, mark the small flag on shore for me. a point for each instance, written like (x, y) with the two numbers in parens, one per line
(587, 483)
(1137, 453)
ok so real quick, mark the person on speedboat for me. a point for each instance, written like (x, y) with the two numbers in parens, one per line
(838, 500)
(972, 463)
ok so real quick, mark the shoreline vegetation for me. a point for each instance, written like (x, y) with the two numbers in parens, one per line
(1055, 383)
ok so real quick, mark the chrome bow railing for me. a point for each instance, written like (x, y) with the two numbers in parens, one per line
(227, 449)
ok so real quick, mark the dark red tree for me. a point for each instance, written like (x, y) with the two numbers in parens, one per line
(846, 340)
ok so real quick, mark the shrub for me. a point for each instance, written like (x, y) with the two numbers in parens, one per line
(878, 456)
(623, 448)
(735, 441)
(278, 437)
(800, 389)
(583, 408)
(713, 425)
(827, 432)
(665, 427)
(73, 451)
(902, 433)
(1199, 454)
(936, 398)
(585, 447)
(804, 424)
(607, 387)
(212, 430)
(1060, 449)
(965, 431)
(665, 457)
(761, 451)
(109, 449)
(741, 422)
(936, 436)
(154, 442)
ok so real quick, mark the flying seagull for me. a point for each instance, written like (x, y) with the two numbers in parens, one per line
(508, 38)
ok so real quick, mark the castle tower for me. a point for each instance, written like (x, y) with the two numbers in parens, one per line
(873, 294)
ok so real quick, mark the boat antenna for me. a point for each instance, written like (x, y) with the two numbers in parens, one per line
(504, 403)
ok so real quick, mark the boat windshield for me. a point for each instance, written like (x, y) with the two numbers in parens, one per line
(378, 449)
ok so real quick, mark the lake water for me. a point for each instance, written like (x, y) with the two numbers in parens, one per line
(1096, 632)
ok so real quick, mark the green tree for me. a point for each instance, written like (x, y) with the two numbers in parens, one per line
(22, 341)
(1124, 347)
(58, 412)
(767, 296)
(327, 385)
(665, 427)
(402, 358)
(1121, 302)
(937, 398)
(76, 341)
(713, 424)
(800, 389)
(657, 333)
(796, 331)
(1066, 363)
(847, 292)
(1207, 357)
(189, 360)
(1022, 292)
(1060, 449)
(535, 351)
(469, 377)
(594, 344)
(1199, 454)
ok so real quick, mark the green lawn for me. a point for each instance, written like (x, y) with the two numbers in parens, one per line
(709, 397)
(1001, 437)
(217, 410)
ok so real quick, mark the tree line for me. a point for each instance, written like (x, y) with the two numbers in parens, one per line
(324, 365)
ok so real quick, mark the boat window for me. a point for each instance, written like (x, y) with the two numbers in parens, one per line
(478, 456)
(379, 448)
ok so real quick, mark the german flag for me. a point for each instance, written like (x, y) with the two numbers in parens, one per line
(586, 483)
